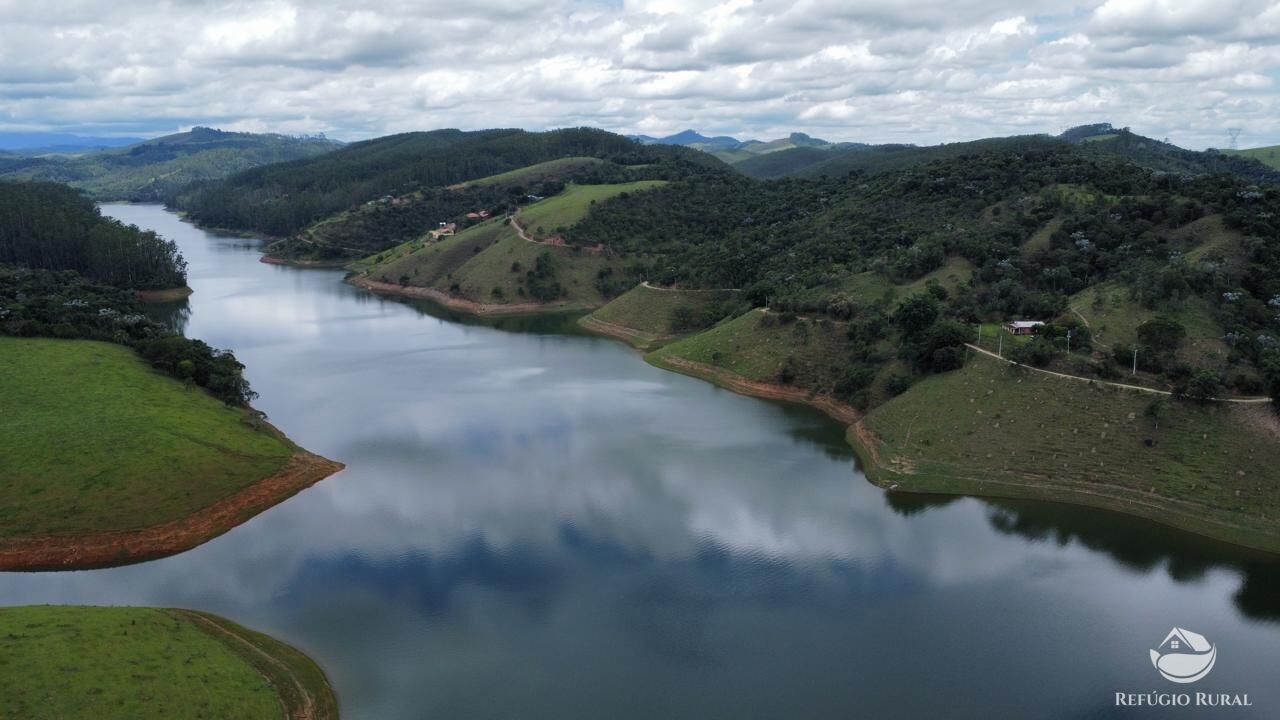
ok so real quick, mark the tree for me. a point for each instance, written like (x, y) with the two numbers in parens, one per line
(1156, 411)
(917, 313)
(1162, 334)
(1203, 385)
(683, 317)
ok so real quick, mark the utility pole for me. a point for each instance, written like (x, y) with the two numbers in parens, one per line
(1000, 348)
(1068, 342)
(1135, 362)
(979, 334)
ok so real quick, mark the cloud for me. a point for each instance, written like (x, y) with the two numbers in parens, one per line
(923, 72)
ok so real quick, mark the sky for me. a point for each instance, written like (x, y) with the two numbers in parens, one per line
(922, 71)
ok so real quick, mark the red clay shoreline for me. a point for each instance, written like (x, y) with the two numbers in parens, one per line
(833, 408)
(124, 547)
(330, 264)
(166, 295)
(456, 303)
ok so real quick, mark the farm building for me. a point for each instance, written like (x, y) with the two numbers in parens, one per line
(1023, 327)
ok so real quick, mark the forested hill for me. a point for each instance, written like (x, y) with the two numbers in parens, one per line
(281, 200)
(1186, 267)
(68, 272)
(1103, 140)
(803, 162)
(152, 170)
(54, 227)
(1100, 141)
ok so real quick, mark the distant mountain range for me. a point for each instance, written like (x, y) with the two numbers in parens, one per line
(30, 143)
(150, 170)
(800, 155)
(733, 151)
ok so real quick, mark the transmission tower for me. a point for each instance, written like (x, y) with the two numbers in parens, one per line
(1234, 134)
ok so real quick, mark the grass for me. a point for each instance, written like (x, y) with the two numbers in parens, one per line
(575, 270)
(471, 264)
(93, 440)
(872, 287)
(427, 263)
(991, 430)
(756, 345)
(646, 316)
(1266, 155)
(1205, 237)
(1079, 196)
(550, 216)
(488, 263)
(1114, 318)
(1039, 240)
(98, 663)
(552, 169)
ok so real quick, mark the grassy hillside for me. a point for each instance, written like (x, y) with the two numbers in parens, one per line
(645, 316)
(769, 348)
(1114, 316)
(281, 200)
(874, 287)
(105, 663)
(491, 264)
(555, 214)
(153, 170)
(92, 440)
(1269, 156)
(539, 173)
(991, 430)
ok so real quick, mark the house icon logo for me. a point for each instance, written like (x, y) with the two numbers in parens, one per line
(1184, 656)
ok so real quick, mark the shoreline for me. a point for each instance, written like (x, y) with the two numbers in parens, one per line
(126, 547)
(865, 444)
(832, 408)
(898, 475)
(461, 304)
(328, 264)
(279, 663)
(164, 296)
(637, 339)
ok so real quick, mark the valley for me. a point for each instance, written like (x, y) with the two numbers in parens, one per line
(854, 291)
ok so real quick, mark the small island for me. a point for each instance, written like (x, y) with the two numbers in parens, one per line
(100, 663)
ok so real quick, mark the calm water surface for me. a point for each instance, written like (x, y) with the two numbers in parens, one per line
(534, 523)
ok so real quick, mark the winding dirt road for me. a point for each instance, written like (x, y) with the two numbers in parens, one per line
(1123, 386)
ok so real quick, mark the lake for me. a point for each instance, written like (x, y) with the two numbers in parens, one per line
(535, 523)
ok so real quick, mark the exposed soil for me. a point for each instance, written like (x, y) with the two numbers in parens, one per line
(168, 295)
(273, 260)
(842, 412)
(550, 240)
(456, 303)
(629, 335)
(130, 546)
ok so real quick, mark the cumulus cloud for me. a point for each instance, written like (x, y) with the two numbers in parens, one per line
(927, 71)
